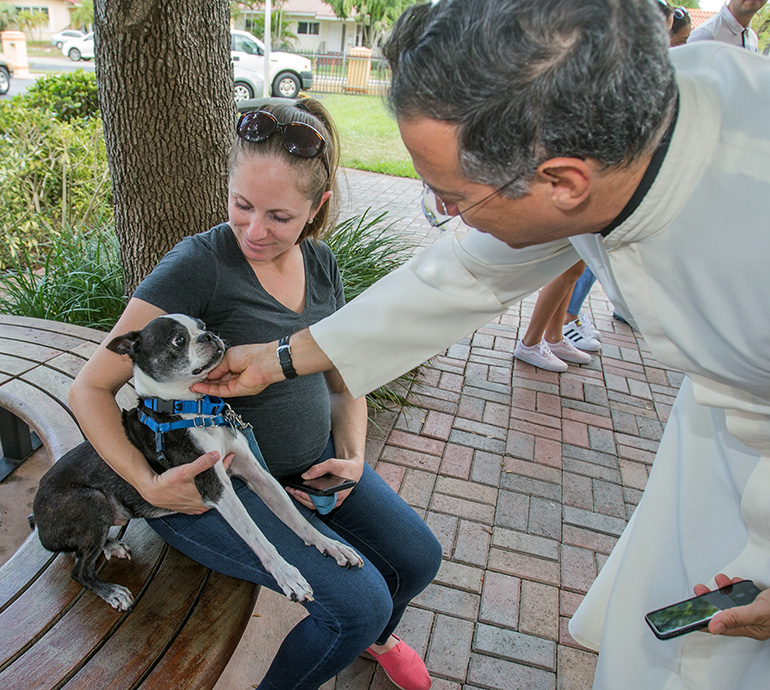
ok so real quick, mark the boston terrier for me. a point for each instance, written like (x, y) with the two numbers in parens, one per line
(81, 497)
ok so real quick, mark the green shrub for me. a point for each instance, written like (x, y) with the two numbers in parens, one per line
(52, 173)
(67, 96)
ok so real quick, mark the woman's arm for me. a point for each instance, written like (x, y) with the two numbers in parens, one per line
(349, 421)
(92, 399)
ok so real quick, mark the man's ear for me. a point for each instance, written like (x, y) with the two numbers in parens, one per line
(127, 344)
(570, 181)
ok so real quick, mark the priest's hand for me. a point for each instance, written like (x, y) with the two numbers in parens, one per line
(752, 620)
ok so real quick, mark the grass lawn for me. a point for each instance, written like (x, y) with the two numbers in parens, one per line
(42, 49)
(368, 133)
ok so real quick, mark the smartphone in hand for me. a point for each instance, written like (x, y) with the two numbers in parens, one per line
(325, 485)
(695, 613)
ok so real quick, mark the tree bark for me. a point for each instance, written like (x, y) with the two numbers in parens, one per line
(166, 89)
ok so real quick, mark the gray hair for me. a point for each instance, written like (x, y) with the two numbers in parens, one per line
(529, 80)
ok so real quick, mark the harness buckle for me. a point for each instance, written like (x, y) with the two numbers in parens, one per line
(164, 406)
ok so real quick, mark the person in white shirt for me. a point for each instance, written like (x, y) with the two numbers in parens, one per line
(566, 130)
(731, 25)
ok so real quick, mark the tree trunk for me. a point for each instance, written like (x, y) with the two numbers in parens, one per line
(166, 96)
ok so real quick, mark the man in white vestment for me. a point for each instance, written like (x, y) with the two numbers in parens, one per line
(561, 130)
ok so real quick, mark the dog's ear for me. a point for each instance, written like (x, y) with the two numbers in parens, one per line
(127, 344)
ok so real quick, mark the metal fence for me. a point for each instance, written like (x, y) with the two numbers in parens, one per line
(349, 73)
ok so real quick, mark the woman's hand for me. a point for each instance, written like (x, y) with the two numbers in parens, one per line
(347, 468)
(752, 620)
(175, 489)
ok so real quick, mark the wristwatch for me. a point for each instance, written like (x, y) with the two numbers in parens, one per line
(284, 357)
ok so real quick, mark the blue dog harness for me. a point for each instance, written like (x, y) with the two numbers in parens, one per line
(211, 410)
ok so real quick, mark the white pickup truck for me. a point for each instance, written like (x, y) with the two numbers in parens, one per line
(288, 73)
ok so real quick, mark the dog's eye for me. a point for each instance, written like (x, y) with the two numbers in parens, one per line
(179, 341)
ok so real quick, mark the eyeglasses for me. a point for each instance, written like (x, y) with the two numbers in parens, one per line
(435, 209)
(681, 13)
(299, 138)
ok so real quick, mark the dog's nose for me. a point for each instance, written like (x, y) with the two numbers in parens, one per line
(206, 337)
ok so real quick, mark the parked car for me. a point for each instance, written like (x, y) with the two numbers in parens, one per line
(289, 73)
(6, 72)
(248, 83)
(61, 37)
(79, 48)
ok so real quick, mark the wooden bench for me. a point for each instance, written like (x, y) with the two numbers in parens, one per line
(187, 620)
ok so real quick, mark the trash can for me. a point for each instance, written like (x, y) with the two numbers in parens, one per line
(15, 48)
(359, 69)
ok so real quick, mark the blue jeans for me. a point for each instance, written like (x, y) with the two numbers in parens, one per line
(353, 608)
(580, 292)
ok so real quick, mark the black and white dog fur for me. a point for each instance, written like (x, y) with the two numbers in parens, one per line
(81, 497)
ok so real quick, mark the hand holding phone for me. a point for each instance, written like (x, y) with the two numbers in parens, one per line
(696, 612)
(325, 485)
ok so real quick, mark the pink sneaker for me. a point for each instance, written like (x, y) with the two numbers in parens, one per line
(404, 667)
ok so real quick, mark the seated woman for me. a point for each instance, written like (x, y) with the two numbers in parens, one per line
(262, 275)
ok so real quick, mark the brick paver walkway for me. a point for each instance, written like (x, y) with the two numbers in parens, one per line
(526, 477)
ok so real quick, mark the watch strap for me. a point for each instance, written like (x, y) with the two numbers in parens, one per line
(284, 357)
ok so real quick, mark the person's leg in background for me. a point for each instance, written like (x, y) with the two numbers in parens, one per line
(577, 328)
(544, 345)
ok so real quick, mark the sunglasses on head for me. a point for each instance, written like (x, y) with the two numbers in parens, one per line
(299, 138)
(681, 13)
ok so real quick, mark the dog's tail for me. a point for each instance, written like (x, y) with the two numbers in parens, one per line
(31, 521)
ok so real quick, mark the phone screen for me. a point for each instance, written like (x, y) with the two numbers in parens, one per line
(695, 613)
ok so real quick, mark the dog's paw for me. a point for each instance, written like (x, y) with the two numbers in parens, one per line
(292, 583)
(117, 548)
(120, 598)
(341, 553)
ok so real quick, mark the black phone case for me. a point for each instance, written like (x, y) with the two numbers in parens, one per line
(299, 484)
(751, 591)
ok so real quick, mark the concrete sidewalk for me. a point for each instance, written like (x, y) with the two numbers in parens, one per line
(526, 477)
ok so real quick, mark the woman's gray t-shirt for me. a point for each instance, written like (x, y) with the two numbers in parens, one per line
(206, 276)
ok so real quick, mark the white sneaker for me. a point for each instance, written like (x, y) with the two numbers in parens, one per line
(567, 352)
(579, 334)
(539, 356)
(593, 331)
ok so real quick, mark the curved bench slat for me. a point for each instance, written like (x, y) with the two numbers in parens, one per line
(81, 332)
(195, 647)
(52, 422)
(56, 338)
(22, 569)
